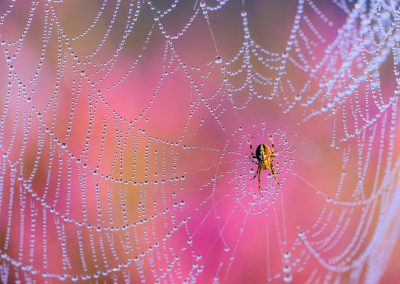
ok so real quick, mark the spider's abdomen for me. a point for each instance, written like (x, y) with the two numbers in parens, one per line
(260, 153)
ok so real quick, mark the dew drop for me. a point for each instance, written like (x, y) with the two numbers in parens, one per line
(218, 60)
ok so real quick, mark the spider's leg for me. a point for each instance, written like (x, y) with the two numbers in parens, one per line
(274, 174)
(251, 160)
(276, 179)
(273, 151)
(251, 144)
(271, 138)
(259, 181)
(273, 169)
(256, 172)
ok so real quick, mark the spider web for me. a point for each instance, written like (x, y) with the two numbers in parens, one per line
(125, 136)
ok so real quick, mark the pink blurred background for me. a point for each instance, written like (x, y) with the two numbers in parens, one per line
(225, 228)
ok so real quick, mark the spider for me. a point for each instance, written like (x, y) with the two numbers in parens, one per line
(264, 158)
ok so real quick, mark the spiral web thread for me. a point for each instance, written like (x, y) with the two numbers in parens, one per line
(92, 190)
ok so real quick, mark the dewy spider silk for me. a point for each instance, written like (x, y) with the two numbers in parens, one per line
(135, 141)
